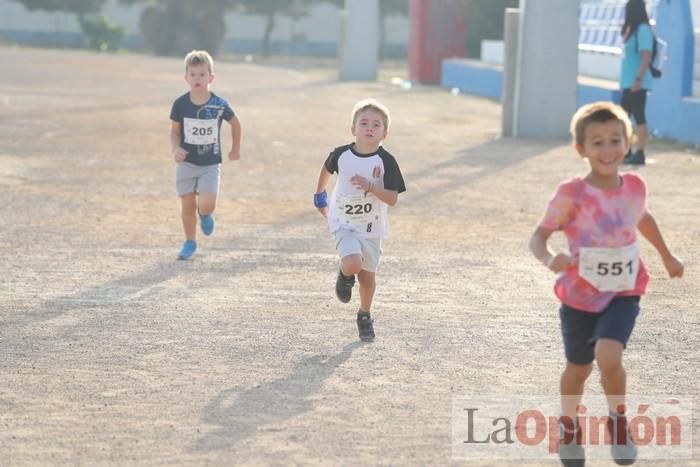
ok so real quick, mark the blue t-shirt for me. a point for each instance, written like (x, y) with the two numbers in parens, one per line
(201, 127)
(638, 42)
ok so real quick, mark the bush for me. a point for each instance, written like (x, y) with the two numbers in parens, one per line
(102, 35)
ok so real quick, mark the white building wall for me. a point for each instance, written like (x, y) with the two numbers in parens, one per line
(323, 23)
(14, 17)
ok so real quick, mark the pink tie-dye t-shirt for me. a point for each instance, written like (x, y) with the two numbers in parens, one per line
(591, 217)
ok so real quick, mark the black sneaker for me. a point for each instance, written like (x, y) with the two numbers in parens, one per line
(365, 327)
(637, 158)
(623, 449)
(343, 287)
(628, 156)
(571, 452)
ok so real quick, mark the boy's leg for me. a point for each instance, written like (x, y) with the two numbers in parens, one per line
(577, 328)
(365, 326)
(189, 224)
(608, 355)
(613, 330)
(573, 379)
(367, 287)
(571, 385)
(351, 265)
(205, 208)
(371, 251)
(186, 186)
(350, 251)
(208, 187)
(206, 203)
(189, 215)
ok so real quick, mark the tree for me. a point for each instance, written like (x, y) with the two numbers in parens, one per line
(174, 27)
(485, 21)
(270, 9)
(101, 34)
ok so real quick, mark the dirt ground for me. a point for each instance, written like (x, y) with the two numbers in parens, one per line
(114, 353)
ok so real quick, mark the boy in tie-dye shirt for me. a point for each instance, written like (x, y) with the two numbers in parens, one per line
(601, 278)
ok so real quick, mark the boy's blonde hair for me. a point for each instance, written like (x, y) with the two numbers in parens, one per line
(374, 105)
(199, 57)
(600, 112)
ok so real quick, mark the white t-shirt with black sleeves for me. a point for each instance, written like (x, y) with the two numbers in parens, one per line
(350, 207)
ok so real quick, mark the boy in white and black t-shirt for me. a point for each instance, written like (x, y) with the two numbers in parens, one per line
(369, 180)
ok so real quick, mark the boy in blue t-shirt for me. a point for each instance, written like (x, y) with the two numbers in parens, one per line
(195, 142)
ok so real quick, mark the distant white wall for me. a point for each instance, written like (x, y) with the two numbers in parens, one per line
(15, 17)
(321, 25)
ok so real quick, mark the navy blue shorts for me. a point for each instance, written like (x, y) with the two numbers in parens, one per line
(581, 329)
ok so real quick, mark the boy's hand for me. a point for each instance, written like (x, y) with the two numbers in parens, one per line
(674, 266)
(361, 182)
(323, 211)
(560, 262)
(234, 155)
(179, 154)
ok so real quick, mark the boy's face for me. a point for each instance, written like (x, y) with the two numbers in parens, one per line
(604, 145)
(198, 77)
(369, 128)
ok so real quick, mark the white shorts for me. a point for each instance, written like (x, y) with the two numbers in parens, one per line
(349, 243)
(191, 178)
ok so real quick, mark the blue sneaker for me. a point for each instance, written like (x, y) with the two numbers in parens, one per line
(206, 221)
(188, 249)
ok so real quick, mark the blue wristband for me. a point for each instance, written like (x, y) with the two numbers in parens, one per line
(321, 199)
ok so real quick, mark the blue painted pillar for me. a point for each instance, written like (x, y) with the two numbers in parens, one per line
(674, 25)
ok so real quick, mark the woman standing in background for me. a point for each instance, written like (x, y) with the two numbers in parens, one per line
(635, 77)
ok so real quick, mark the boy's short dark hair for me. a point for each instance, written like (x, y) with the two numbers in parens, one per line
(599, 112)
(199, 57)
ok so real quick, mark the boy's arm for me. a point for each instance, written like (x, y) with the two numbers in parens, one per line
(323, 176)
(179, 154)
(390, 197)
(539, 247)
(235, 153)
(650, 230)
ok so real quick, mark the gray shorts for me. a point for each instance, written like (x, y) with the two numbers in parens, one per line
(349, 243)
(190, 178)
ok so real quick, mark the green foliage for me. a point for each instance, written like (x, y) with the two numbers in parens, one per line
(270, 9)
(101, 33)
(485, 21)
(174, 27)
